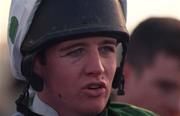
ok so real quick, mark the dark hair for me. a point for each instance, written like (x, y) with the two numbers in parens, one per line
(152, 36)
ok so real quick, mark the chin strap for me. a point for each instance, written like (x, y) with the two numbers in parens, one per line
(120, 70)
(23, 101)
(118, 82)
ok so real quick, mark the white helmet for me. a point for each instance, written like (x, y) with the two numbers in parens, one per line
(20, 18)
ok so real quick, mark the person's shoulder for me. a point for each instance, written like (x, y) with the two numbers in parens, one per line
(128, 110)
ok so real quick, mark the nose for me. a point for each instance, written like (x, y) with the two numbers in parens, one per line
(95, 64)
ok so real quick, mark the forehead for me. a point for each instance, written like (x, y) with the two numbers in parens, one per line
(164, 67)
(168, 63)
(90, 40)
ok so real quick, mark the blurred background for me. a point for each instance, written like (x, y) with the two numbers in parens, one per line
(137, 11)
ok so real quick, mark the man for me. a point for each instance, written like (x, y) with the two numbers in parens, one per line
(66, 51)
(152, 67)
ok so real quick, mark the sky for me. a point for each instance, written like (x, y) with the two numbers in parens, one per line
(4, 9)
(137, 11)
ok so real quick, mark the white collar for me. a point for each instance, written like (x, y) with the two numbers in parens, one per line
(42, 108)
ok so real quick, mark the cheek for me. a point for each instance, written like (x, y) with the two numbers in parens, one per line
(110, 71)
(111, 67)
(149, 92)
(58, 77)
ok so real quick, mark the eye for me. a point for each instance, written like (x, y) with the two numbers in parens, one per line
(75, 52)
(166, 87)
(107, 50)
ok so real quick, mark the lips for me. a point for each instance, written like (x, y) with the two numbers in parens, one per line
(95, 89)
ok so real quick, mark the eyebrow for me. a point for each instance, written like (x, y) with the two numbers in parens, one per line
(84, 44)
(72, 46)
(109, 42)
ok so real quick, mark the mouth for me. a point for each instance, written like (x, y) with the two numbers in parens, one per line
(95, 89)
(96, 86)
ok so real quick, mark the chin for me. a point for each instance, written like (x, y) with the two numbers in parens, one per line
(93, 105)
(98, 107)
(93, 110)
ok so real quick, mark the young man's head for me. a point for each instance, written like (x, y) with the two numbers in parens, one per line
(68, 52)
(78, 75)
(153, 66)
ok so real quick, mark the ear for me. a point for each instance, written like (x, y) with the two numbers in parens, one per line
(38, 67)
(127, 70)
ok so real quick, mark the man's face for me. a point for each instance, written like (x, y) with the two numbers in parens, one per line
(158, 86)
(78, 74)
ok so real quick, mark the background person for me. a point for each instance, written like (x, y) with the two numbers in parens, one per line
(152, 67)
